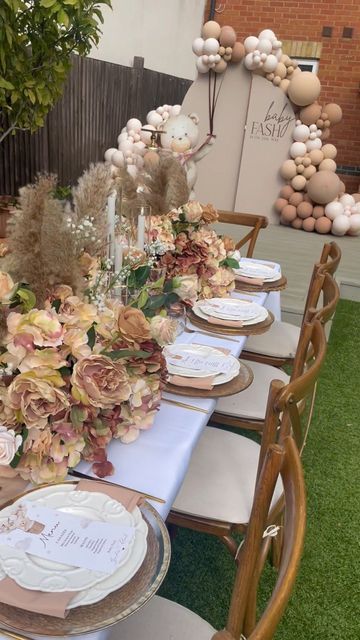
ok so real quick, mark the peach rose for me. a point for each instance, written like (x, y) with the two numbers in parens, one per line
(193, 211)
(209, 214)
(75, 312)
(133, 325)
(100, 382)
(186, 287)
(163, 330)
(9, 444)
(49, 358)
(6, 285)
(40, 328)
(7, 414)
(77, 342)
(61, 292)
(229, 243)
(35, 398)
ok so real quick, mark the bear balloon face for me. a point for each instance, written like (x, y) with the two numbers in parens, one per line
(181, 134)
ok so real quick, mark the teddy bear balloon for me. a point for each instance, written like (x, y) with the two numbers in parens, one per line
(181, 137)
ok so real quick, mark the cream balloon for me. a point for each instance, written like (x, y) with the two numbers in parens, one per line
(270, 63)
(250, 43)
(329, 151)
(249, 62)
(304, 88)
(354, 229)
(301, 133)
(117, 159)
(133, 124)
(201, 66)
(211, 46)
(347, 200)
(297, 149)
(109, 153)
(288, 169)
(340, 225)
(313, 144)
(264, 46)
(327, 165)
(211, 29)
(154, 118)
(334, 209)
(267, 33)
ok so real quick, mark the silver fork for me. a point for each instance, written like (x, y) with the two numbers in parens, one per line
(208, 333)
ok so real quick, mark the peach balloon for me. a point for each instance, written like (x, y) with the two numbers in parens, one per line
(323, 186)
(306, 161)
(329, 151)
(300, 168)
(280, 70)
(316, 156)
(284, 85)
(227, 36)
(289, 212)
(318, 211)
(310, 114)
(298, 183)
(297, 223)
(238, 52)
(309, 224)
(304, 210)
(323, 225)
(296, 198)
(327, 165)
(309, 171)
(280, 203)
(288, 169)
(304, 88)
(356, 197)
(220, 66)
(211, 29)
(285, 192)
(334, 112)
(342, 187)
(284, 222)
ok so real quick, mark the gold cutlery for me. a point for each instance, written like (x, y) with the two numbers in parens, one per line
(220, 336)
(184, 405)
(12, 634)
(84, 476)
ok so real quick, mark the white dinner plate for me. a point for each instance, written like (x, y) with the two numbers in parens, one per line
(258, 270)
(203, 351)
(262, 314)
(47, 576)
(229, 308)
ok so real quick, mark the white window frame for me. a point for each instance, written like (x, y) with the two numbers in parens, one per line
(313, 62)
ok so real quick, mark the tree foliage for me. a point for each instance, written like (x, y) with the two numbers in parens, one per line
(37, 38)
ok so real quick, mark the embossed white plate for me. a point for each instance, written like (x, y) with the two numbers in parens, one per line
(203, 351)
(262, 314)
(36, 573)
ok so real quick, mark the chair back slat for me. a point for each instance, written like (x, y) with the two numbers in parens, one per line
(331, 295)
(330, 257)
(279, 460)
(256, 222)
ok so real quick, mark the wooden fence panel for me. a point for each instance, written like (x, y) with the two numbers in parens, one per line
(98, 98)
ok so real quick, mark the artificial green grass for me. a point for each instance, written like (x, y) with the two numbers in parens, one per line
(325, 602)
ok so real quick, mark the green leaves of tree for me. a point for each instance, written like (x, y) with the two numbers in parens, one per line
(37, 38)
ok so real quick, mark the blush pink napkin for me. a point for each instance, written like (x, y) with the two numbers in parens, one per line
(196, 383)
(237, 324)
(54, 604)
(256, 281)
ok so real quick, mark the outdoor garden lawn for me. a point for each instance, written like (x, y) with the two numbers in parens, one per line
(324, 601)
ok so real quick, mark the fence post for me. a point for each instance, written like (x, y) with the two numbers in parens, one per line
(136, 86)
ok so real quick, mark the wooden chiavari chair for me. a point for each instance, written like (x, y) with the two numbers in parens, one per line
(163, 619)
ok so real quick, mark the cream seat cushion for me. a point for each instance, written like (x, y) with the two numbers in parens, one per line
(280, 341)
(220, 480)
(162, 619)
(251, 403)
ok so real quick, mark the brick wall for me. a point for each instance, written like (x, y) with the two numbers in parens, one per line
(339, 66)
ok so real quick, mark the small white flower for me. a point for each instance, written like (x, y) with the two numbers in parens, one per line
(9, 444)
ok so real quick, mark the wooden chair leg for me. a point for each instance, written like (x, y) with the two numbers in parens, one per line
(230, 544)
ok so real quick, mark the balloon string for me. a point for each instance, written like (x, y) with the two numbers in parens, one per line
(212, 101)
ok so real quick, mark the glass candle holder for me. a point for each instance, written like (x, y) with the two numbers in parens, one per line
(136, 224)
(177, 312)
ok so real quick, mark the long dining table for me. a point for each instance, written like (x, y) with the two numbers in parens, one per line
(157, 462)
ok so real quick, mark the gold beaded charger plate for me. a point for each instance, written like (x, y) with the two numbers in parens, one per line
(116, 606)
(242, 381)
(277, 285)
(245, 330)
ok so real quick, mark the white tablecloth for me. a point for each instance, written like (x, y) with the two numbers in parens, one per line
(157, 462)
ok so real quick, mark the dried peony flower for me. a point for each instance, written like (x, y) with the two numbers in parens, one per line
(99, 381)
(6, 286)
(35, 395)
(133, 326)
(50, 358)
(193, 211)
(209, 214)
(41, 328)
(76, 340)
(229, 243)
(163, 330)
(74, 312)
(9, 444)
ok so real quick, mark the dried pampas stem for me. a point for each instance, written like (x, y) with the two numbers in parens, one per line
(167, 186)
(89, 197)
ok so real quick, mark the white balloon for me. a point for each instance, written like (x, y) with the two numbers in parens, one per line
(277, 44)
(211, 46)
(125, 145)
(205, 58)
(154, 118)
(132, 170)
(122, 136)
(270, 63)
(297, 149)
(217, 58)
(347, 200)
(250, 43)
(136, 137)
(134, 124)
(201, 66)
(211, 58)
(354, 229)
(267, 33)
(175, 110)
(117, 158)
(340, 225)
(160, 110)
(301, 133)
(139, 147)
(263, 56)
(249, 62)
(313, 144)
(278, 54)
(198, 46)
(108, 154)
(334, 209)
(313, 135)
(265, 45)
